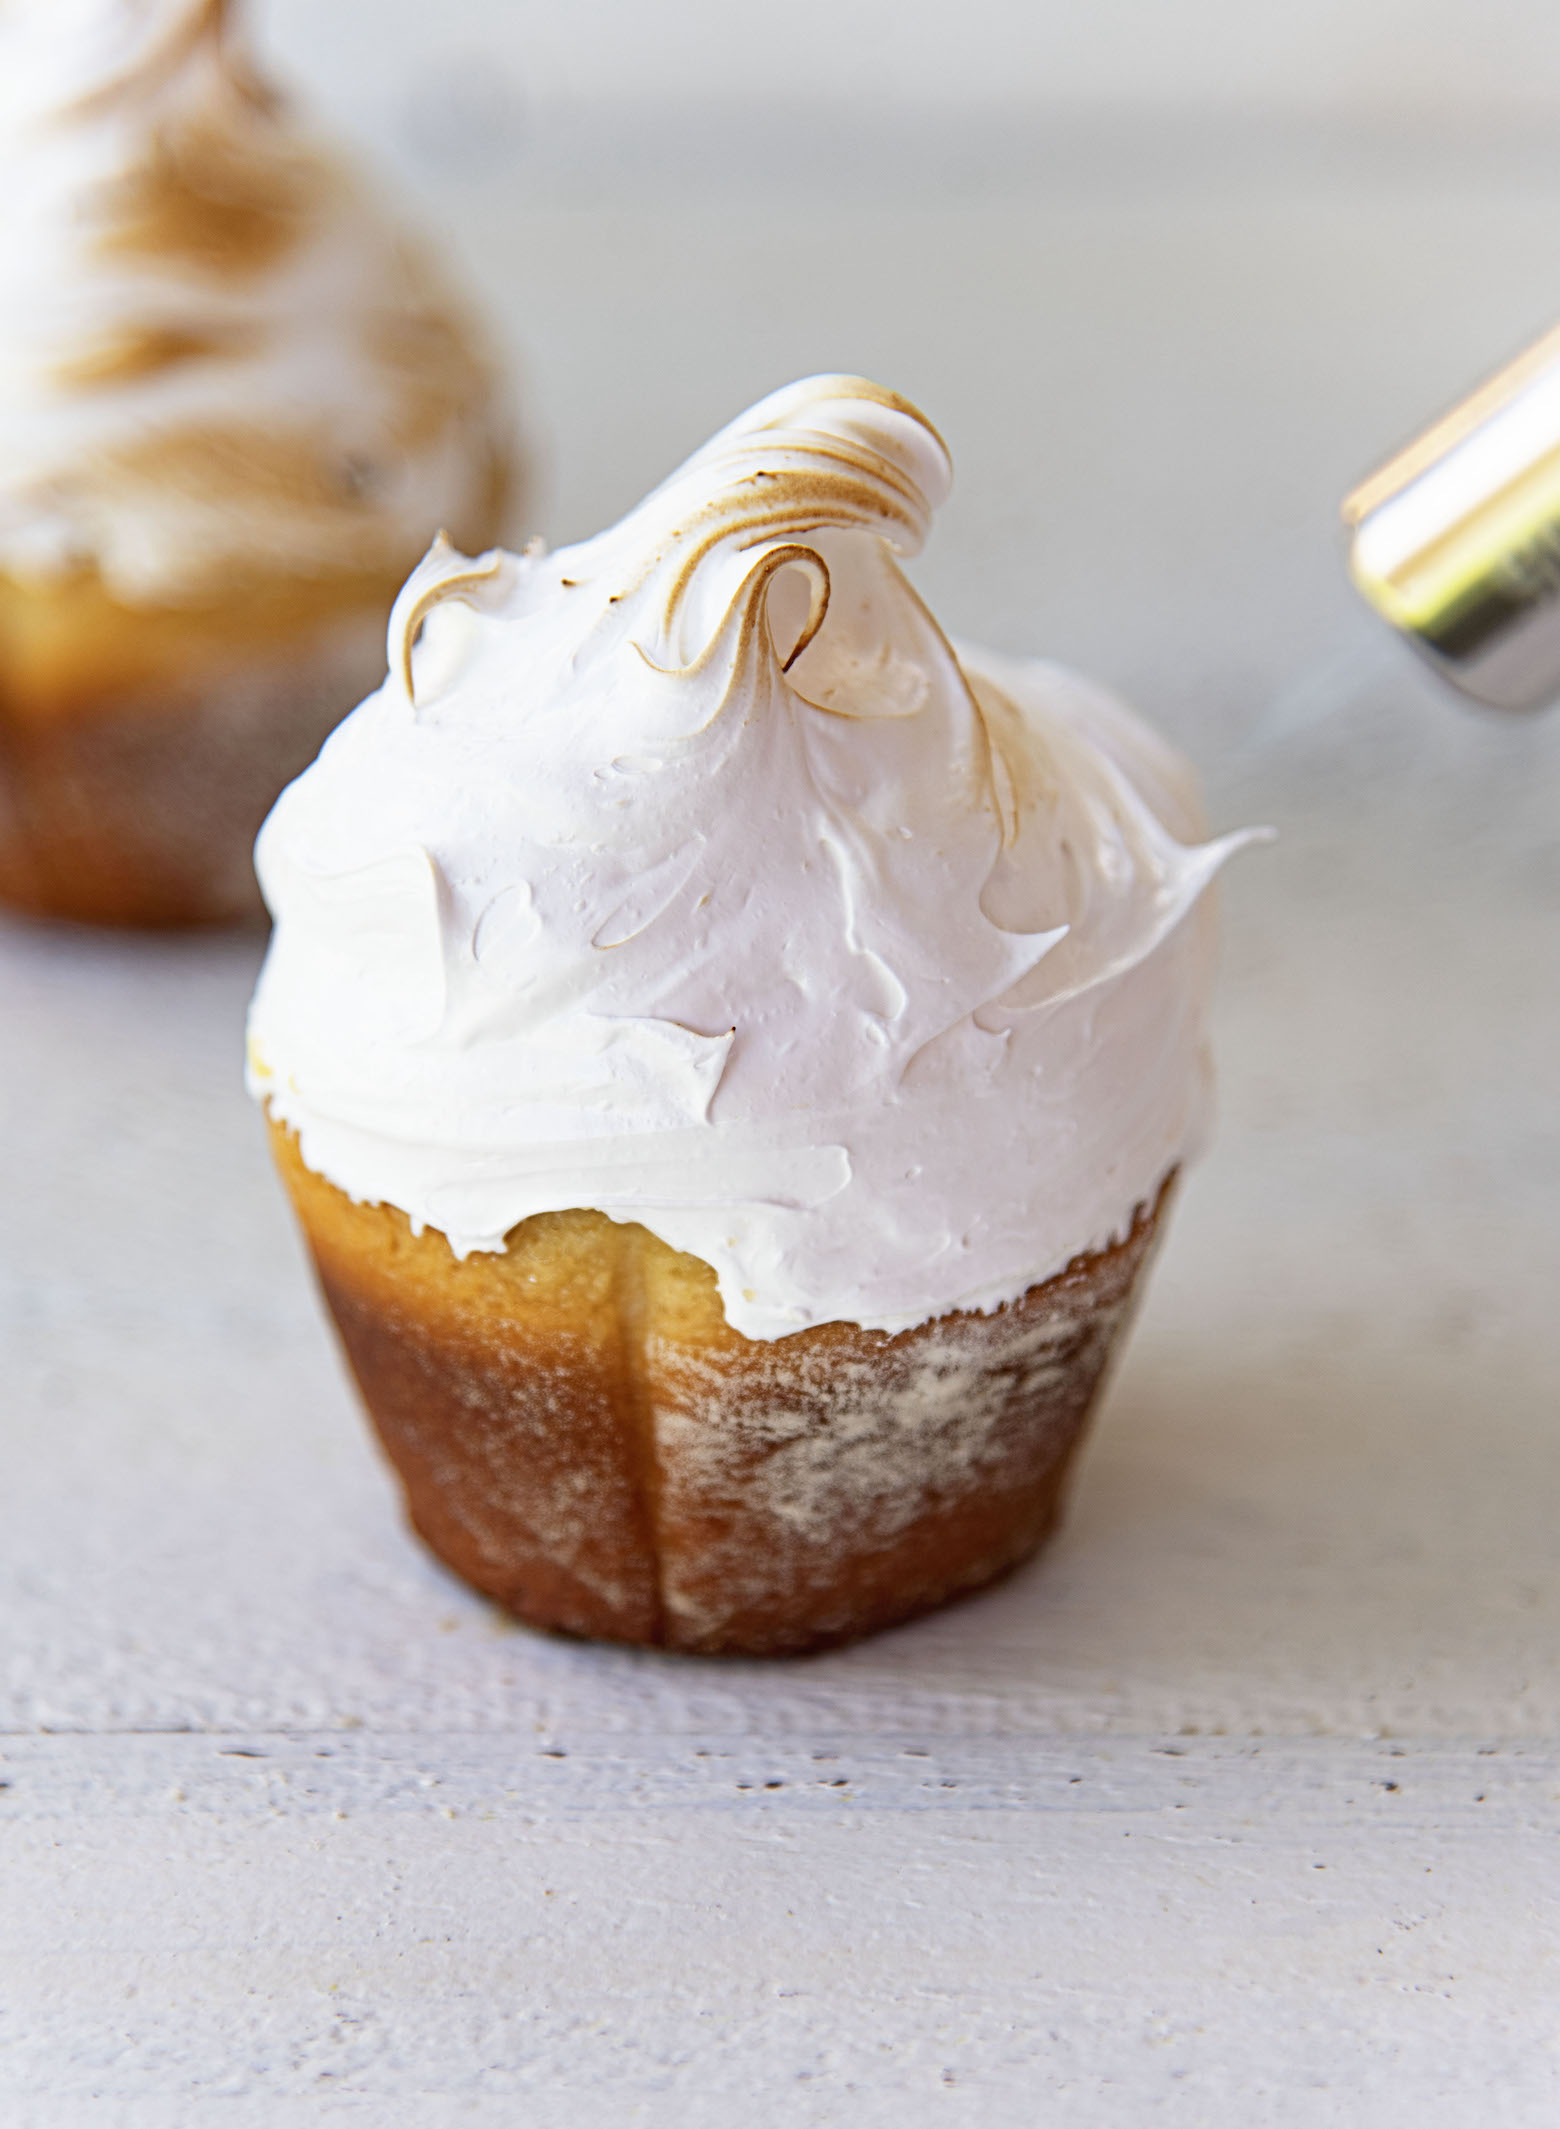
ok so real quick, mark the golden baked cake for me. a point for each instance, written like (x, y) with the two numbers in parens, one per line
(730, 1051)
(235, 404)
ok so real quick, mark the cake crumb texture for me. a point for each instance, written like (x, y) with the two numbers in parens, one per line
(582, 1435)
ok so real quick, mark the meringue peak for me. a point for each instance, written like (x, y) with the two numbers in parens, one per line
(699, 849)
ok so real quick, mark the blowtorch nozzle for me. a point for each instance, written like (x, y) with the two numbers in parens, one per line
(1457, 539)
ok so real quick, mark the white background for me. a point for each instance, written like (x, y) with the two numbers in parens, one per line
(1367, 56)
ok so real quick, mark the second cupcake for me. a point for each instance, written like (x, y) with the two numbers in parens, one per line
(235, 404)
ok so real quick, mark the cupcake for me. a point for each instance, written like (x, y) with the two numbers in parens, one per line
(235, 404)
(731, 1051)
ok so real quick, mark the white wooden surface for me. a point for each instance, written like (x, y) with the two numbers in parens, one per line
(1242, 1805)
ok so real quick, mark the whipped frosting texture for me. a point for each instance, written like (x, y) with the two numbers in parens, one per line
(217, 356)
(689, 873)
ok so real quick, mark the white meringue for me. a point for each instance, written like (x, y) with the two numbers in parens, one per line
(689, 874)
(217, 356)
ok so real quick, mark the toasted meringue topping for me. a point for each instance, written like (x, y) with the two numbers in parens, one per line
(690, 874)
(216, 358)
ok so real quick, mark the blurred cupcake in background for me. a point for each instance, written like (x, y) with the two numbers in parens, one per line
(236, 401)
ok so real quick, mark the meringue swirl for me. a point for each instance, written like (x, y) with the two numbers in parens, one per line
(689, 873)
(218, 360)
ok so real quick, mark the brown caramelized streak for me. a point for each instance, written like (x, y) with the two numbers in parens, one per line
(204, 199)
(143, 351)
